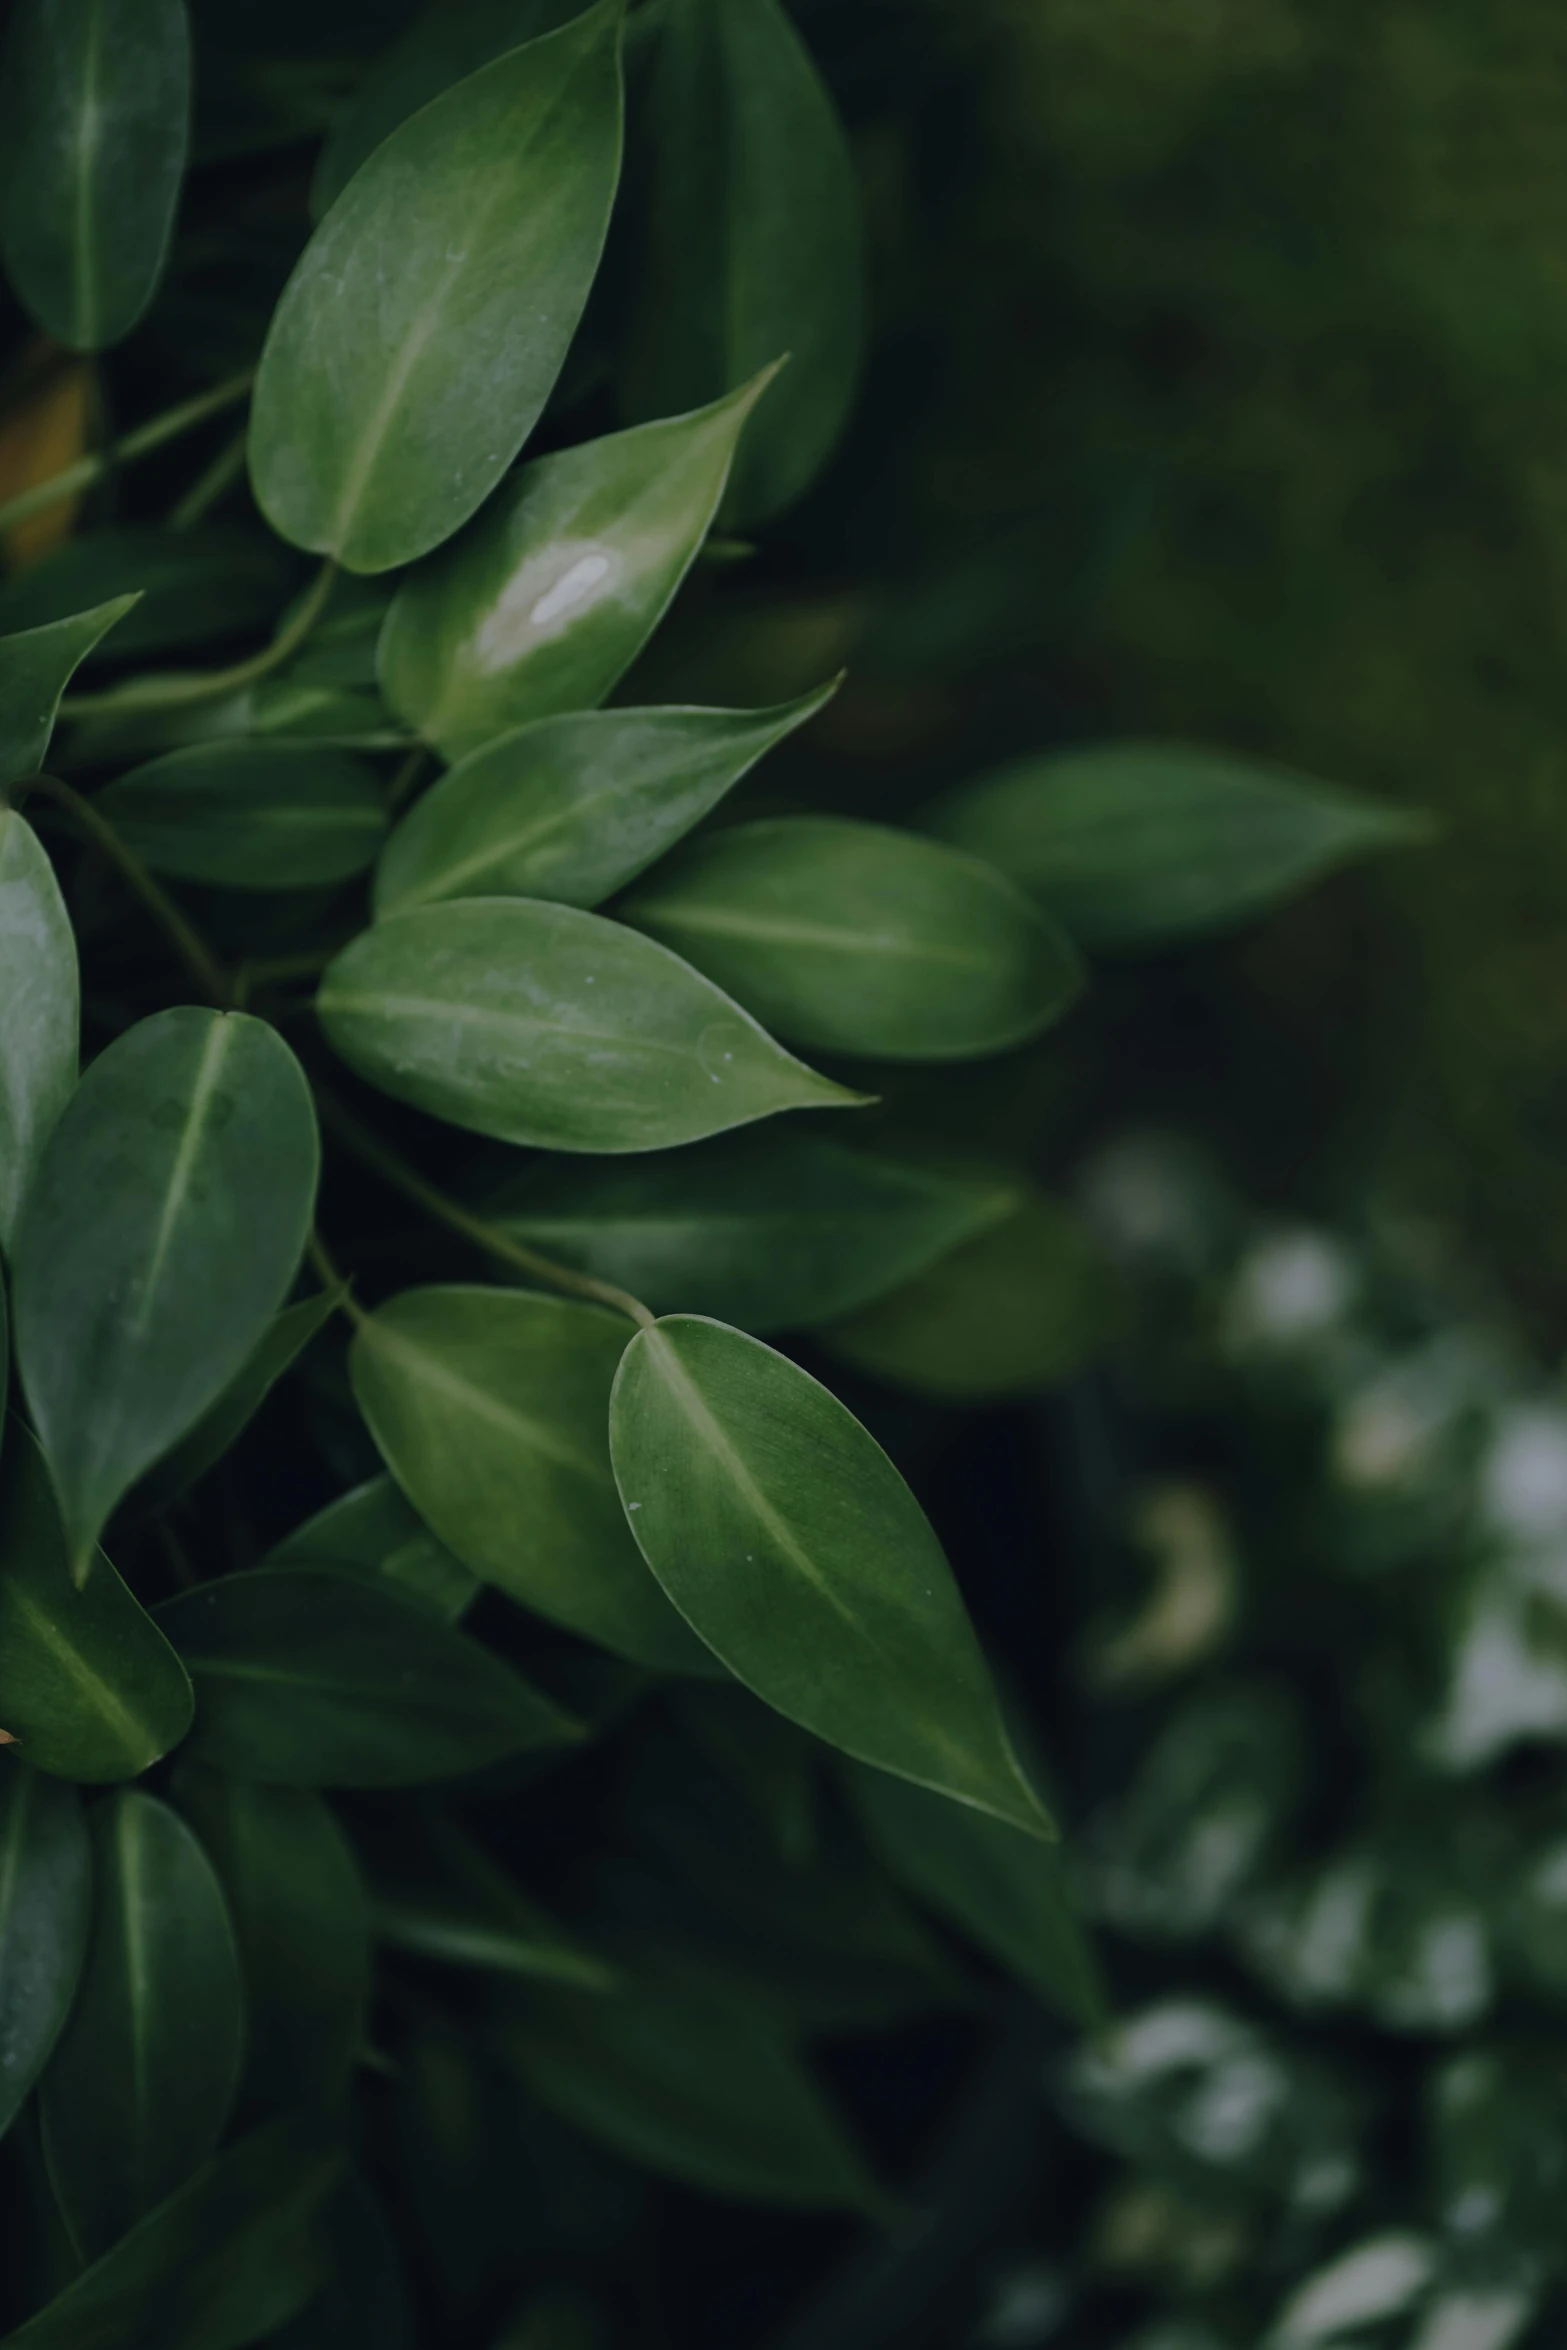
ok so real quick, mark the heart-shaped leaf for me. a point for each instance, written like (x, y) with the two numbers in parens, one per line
(140, 2086)
(374, 1531)
(36, 666)
(549, 598)
(45, 1905)
(573, 808)
(541, 1024)
(491, 1409)
(789, 1541)
(227, 1419)
(39, 989)
(165, 1225)
(251, 815)
(94, 124)
(417, 341)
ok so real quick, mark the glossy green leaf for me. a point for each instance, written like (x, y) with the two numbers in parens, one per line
(251, 815)
(139, 2089)
(418, 339)
(190, 587)
(94, 123)
(1131, 844)
(36, 666)
(854, 938)
(770, 1228)
(374, 1531)
(310, 1679)
(226, 1421)
(165, 1226)
(39, 988)
(232, 2254)
(549, 598)
(303, 1929)
(753, 244)
(89, 1687)
(367, 2301)
(1022, 1305)
(491, 1409)
(572, 808)
(789, 1541)
(541, 1024)
(696, 2086)
(45, 1905)
(437, 1894)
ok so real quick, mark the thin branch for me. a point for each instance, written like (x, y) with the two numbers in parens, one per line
(186, 940)
(210, 485)
(140, 443)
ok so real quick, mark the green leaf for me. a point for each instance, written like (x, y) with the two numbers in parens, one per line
(229, 2256)
(418, 339)
(374, 1531)
(367, 2301)
(303, 1929)
(697, 2086)
(437, 1894)
(572, 808)
(541, 1024)
(190, 587)
(310, 1679)
(1023, 1305)
(45, 1906)
(226, 1421)
(491, 1409)
(139, 2089)
(94, 128)
(854, 938)
(753, 242)
(89, 1687)
(771, 1229)
(36, 666)
(550, 597)
(789, 1541)
(39, 989)
(251, 815)
(166, 1223)
(1133, 844)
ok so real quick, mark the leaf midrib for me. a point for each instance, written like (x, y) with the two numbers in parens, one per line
(779, 930)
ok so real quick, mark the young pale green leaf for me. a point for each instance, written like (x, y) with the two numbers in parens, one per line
(89, 1687)
(572, 808)
(789, 1541)
(1133, 844)
(45, 1905)
(541, 1024)
(310, 1679)
(227, 1420)
(189, 587)
(303, 1929)
(753, 243)
(491, 1409)
(549, 598)
(36, 666)
(39, 989)
(418, 339)
(853, 938)
(228, 2257)
(251, 815)
(699, 2087)
(769, 1228)
(94, 124)
(139, 2089)
(165, 1224)
(375, 1532)
(437, 1894)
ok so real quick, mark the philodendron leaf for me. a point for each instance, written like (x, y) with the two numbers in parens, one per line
(140, 2086)
(251, 815)
(541, 1024)
(303, 1929)
(418, 339)
(166, 1222)
(770, 1228)
(190, 587)
(437, 1894)
(39, 989)
(36, 666)
(753, 241)
(1133, 844)
(228, 2257)
(94, 119)
(45, 1905)
(310, 1679)
(89, 1687)
(541, 606)
(572, 808)
(854, 938)
(789, 1541)
(491, 1409)
(373, 1531)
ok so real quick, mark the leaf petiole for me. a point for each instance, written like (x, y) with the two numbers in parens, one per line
(187, 942)
(174, 692)
(149, 436)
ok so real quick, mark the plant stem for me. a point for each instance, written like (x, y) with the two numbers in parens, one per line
(406, 777)
(177, 692)
(333, 1279)
(210, 484)
(140, 443)
(506, 1251)
(187, 942)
